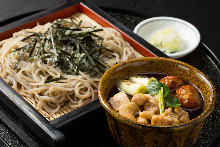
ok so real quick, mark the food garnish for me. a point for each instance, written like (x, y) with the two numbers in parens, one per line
(53, 80)
(172, 101)
(161, 100)
(72, 48)
(167, 40)
(154, 87)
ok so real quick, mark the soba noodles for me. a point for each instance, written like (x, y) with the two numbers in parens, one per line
(29, 78)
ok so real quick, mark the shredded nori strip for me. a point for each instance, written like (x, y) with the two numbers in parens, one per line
(53, 80)
(80, 52)
(25, 48)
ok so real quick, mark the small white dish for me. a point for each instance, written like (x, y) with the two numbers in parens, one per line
(189, 34)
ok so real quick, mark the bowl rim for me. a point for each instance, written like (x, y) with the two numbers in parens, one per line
(123, 119)
(166, 18)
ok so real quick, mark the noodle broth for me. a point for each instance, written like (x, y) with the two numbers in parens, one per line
(193, 113)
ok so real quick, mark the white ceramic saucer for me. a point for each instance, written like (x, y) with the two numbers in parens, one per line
(189, 34)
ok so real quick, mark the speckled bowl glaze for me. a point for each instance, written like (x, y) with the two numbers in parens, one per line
(129, 133)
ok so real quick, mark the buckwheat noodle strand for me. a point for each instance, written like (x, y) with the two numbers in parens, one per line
(73, 90)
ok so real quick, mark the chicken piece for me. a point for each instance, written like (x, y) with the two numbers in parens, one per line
(178, 113)
(119, 99)
(173, 82)
(129, 110)
(154, 100)
(169, 112)
(140, 98)
(183, 116)
(142, 120)
(161, 120)
(170, 117)
(146, 114)
(153, 107)
(189, 97)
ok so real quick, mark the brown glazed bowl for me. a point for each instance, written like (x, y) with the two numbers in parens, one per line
(129, 133)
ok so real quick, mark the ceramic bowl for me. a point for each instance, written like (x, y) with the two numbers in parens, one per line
(188, 33)
(128, 133)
